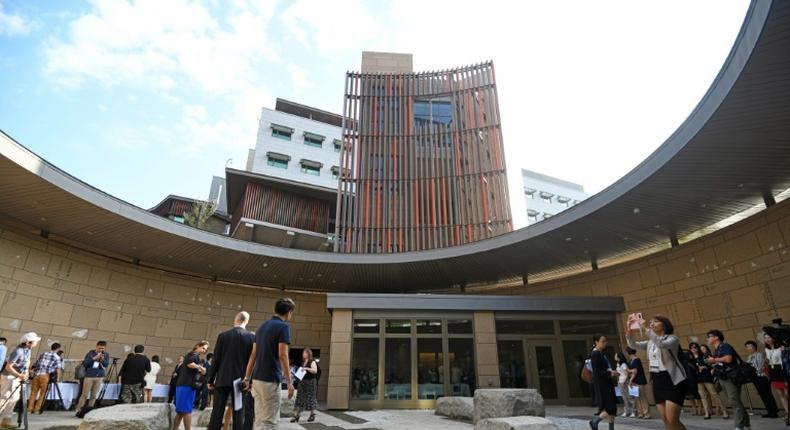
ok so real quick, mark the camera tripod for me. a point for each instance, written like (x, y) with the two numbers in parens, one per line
(109, 377)
(52, 386)
(21, 404)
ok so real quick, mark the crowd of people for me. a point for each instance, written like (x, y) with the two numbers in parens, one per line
(697, 374)
(244, 364)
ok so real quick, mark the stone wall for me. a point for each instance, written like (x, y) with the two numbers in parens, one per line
(736, 280)
(76, 298)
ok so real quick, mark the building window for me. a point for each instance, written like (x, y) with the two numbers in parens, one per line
(336, 145)
(311, 167)
(282, 132)
(546, 197)
(177, 218)
(314, 140)
(529, 193)
(278, 163)
(311, 170)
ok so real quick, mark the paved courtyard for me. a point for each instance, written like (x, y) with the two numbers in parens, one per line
(426, 420)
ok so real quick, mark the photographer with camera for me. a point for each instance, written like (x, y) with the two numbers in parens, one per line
(48, 363)
(132, 376)
(15, 373)
(95, 364)
(725, 361)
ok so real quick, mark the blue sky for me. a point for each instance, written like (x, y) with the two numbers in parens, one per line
(147, 98)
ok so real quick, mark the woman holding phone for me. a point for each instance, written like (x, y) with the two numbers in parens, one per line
(666, 371)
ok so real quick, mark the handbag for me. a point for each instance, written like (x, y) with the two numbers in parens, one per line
(586, 374)
(741, 372)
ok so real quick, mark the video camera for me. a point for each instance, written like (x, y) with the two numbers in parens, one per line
(779, 332)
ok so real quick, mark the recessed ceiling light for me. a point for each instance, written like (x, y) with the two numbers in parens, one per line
(568, 239)
(703, 205)
(265, 264)
(318, 275)
(636, 211)
(134, 247)
(43, 219)
(238, 271)
(90, 233)
(169, 256)
(657, 226)
(740, 185)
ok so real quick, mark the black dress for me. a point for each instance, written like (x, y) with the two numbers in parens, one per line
(602, 383)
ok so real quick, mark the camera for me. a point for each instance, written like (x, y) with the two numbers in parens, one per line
(779, 332)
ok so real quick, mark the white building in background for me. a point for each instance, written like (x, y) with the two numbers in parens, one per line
(298, 143)
(547, 196)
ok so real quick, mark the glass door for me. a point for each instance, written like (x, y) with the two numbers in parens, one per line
(512, 364)
(546, 376)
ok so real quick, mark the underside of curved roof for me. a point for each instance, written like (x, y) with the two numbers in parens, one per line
(731, 151)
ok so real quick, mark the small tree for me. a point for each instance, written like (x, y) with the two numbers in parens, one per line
(199, 214)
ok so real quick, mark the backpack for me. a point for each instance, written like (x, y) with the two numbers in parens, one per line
(318, 373)
(741, 372)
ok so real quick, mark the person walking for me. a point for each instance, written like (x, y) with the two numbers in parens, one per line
(602, 373)
(723, 360)
(623, 382)
(306, 399)
(47, 364)
(185, 384)
(132, 376)
(95, 364)
(776, 371)
(15, 372)
(269, 359)
(150, 379)
(639, 380)
(762, 384)
(666, 372)
(231, 354)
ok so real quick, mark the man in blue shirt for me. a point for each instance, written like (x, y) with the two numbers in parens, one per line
(265, 368)
(95, 363)
(723, 360)
(16, 371)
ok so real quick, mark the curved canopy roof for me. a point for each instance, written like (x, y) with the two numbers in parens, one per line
(732, 150)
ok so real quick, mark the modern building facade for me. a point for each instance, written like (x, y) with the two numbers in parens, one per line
(422, 163)
(78, 265)
(298, 143)
(546, 196)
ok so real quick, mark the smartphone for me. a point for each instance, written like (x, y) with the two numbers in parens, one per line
(636, 321)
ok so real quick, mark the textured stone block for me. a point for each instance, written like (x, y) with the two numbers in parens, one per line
(459, 408)
(507, 402)
(142, 416)
(516, 423)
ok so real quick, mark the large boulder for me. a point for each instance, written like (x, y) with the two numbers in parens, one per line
(515, 423)
(563, 423)
(141, 416)
(507, 402)
(203, 417)
(458, 408)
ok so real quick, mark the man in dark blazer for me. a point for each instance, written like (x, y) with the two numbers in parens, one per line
(231, 353)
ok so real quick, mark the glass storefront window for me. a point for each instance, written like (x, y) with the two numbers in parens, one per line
(429, 326)
(576, 351)
(459, 326)
(587, 327)
(525, 327)
(512, 366)
(547, 377)
(461, 354)
(366, 326)
(365, 369)
(397, 368)
(430, 368)
(398, 326)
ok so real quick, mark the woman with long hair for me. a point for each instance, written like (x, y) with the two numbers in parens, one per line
(666, 371)
(185, 384)
(773, 355)
(623, 383)
(707, 389)
(150, 379)
(306, 392)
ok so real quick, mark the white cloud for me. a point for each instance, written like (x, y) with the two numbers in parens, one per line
(13, 25)
(299, 76)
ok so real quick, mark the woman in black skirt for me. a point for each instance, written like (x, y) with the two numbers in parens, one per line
(306, 391)
(667, 372)
(603, 384)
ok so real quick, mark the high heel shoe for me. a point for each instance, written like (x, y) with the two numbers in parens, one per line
(295, 419)
(311, 418)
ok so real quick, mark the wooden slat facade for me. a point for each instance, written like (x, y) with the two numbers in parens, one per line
(284, 208)
(409, 184)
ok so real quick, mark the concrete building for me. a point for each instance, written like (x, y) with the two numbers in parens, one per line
(398, 330)
(424, 160)
(546, 196)
(298, 143)
(173, 208)
(386, 62)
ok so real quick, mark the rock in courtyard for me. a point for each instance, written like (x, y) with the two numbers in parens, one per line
(507, 402)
